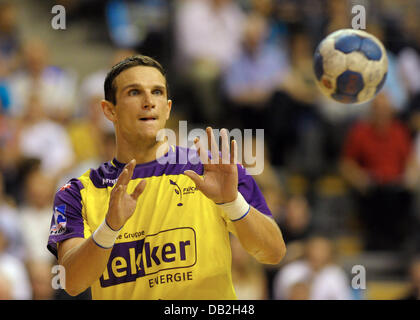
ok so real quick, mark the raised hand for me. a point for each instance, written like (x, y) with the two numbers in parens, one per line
(220, 178)
(121, 204)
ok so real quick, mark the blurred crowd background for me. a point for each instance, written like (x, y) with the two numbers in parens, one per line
(342, 181)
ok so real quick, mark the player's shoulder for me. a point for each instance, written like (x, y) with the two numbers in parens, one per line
(100, 177)
(70, 193)
(105, 175)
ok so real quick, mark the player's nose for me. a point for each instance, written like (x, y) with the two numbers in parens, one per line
(148, 102)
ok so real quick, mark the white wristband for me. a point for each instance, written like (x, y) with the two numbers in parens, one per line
(104, 236)
(237, 209)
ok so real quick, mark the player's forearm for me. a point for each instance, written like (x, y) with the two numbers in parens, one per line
(84, 264)
(261, 237)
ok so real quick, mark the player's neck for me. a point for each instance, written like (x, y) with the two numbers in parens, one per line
(142, 153)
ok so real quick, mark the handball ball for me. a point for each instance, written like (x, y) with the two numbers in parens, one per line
(350, 66)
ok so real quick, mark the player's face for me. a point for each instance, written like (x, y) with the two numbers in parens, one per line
(142, 105)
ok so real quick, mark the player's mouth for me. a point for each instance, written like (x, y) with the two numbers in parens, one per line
(148, 119)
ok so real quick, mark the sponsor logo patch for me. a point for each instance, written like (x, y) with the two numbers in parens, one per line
(60, 220)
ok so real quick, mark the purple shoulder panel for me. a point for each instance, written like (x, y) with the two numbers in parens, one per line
(67, 220)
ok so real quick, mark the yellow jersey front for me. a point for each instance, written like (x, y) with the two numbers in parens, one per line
(176, 244)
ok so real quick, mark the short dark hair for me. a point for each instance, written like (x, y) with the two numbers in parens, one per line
(133, 61)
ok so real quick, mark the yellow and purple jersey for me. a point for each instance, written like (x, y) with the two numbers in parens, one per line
(176, 244)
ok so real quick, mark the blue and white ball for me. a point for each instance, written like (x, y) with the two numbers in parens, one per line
(350, 66)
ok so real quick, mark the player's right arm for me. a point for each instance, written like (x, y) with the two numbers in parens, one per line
(84, 260)
(84, 263)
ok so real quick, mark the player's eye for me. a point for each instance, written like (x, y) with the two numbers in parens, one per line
(157, 92)
(133, 92)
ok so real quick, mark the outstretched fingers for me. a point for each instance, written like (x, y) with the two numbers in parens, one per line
(225, 146)
(229, 151)
(126, 174)
(214, 147)
(195, 177)
(139, 189)
(202, 152)
(233, 152)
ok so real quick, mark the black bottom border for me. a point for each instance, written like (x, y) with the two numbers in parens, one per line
(208, 309)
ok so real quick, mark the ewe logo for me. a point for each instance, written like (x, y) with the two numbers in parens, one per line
(165, 250)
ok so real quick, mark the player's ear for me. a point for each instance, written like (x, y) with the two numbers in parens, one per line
(109, 110)
(169, 109)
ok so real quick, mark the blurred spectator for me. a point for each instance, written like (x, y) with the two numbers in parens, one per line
(379, 164)
(10, 219)
(4, 89)
(274, 198)
(9, 46)
(299, 83)
(93, 84)
(207, 37)
(6, 292)
(142, 25)
(77, 10)
(295, 225)
(300, 291)
(414, 279)
(394, 84)
(408, 62)
(8, 140)
(35, 214)
(295, 125)
(41, 280)
(87, 133)
(256, 158)
(92, 143)
(247, 275)
(288, 11)
(409, 55)
(338, 15)
(13, 270)
(316, 272)
(9, 37)
(276, 29)
(55, 86)
(44, 139)
(255, 75)
(293, 216)
(296, 222)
